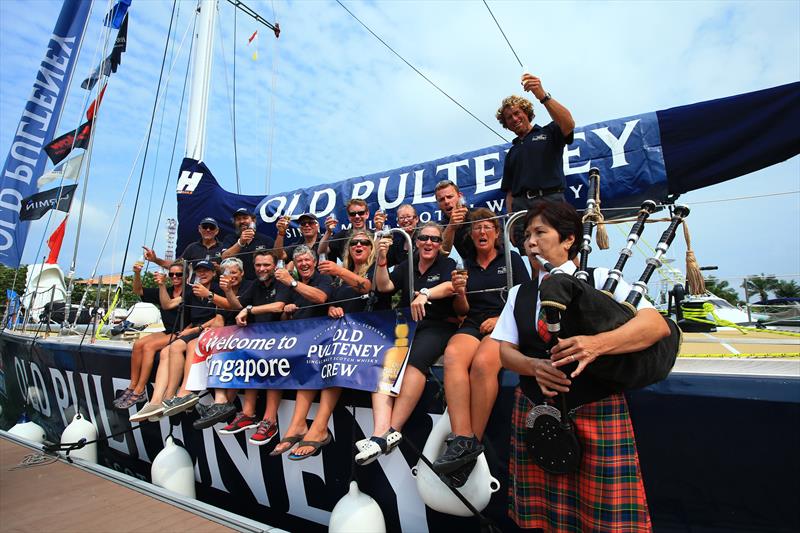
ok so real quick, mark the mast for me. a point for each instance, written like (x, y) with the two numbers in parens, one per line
(202, 57)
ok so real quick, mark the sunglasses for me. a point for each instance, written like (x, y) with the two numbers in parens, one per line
(308, 222)
(362, 242)
(357, 213)
(175, 274)
(432, 238)
(208, 226)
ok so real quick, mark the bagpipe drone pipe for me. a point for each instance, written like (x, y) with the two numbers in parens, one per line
(585, 310)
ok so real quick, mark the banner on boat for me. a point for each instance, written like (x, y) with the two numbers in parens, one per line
(26, 157)
(627, 151)
(363, 351)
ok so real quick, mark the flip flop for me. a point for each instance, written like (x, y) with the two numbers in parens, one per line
(317, 445)
(291, 440)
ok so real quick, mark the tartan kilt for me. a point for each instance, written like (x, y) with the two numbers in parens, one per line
(605, 494)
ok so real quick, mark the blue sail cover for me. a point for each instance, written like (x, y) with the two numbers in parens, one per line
(26, 157)
(646, 156)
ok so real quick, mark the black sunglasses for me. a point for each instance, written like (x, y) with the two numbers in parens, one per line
(175, 274)
(208, 226)
(362, 242)
(426, 238)
(308, 222)
(357, 213)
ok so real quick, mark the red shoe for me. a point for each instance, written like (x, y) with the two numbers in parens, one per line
(266, 432)
(239, 423)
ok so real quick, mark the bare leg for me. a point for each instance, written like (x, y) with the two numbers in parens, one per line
(457, 360)
(381, 412)
(319, 428)
(410, 393)
(298, 426)
(176, 360)
(187, 366)
(483, 383)
(273, 402)
(136, 361)
(162, 373)
(249, 404)
(149, 351)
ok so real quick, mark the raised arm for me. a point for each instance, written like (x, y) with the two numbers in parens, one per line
(558, 112)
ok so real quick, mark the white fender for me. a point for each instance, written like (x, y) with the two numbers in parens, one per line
(173, 469)
(25, 429)
(357, 512)
(478, 489)
(78, 429)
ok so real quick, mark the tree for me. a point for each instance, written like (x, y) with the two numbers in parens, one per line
(787, 289)
(7, 278)
(760, 285)
(722, 288)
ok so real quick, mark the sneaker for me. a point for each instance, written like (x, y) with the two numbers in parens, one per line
(131, 399)
(149, 411)
(179, 404)
(266, 432)
(459, 478)
(460, 451)
(375, 446)
(240, 422)
(219, 412)
(122, 397)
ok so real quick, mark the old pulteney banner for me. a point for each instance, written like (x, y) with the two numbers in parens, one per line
(363, 351)
(26, 157)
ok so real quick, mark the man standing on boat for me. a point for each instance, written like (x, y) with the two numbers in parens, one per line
(207, 248)
(533, 167)
(246, 241)
(309, 235)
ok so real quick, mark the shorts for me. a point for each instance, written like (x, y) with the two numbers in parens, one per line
(430, 340)
(190, 337)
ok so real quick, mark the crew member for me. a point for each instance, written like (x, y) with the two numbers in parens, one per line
(245, 241)
(333, 244)
(309, 236)
(207, 248)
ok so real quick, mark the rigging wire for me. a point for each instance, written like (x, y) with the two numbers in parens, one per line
(415, 69)
(228, 92)
(274, 83)
(504, 35)
(147, 143)
(235, 153)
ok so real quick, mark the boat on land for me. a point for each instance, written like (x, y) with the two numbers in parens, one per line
(711, 456)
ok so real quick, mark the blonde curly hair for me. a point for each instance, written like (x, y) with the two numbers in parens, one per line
(511, 101)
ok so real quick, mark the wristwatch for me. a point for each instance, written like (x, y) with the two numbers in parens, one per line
(546, 98)
(293, 284)
(426, 293)
(210, 298)
(249, 309)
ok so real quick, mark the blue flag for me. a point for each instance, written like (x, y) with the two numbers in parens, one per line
(115, 17)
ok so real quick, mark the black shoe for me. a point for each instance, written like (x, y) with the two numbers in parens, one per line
(459, 452)
(219, 412)
(459, 478)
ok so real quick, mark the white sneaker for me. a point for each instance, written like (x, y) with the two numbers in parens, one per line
(149, 411)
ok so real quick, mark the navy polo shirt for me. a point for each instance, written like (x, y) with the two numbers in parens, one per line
(536, 161)
(483, 305)
(439, 272)
(198, 310)
(343, 291)
(196, 251)
(262, 293)
(260, 242)
(319, 281)
(462, 241)
(397, 252)
(169, 317)
(230, 316)
(336, 245)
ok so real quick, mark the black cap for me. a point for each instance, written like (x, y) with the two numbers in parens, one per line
(243, 211)
(209, 220)
(306, 215)
(204, 263)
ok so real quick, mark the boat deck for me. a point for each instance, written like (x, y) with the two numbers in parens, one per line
(60, 497)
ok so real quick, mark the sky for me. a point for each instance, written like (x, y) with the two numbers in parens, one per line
(327, 101)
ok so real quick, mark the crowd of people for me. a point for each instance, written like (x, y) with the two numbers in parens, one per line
(463, 312)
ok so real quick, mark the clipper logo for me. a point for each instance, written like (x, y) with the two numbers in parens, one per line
(501, 269)
(433, 277)
(540, 137)
(188, 181)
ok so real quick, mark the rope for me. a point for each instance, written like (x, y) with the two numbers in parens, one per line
(415, 69)
(231, 101)
(760, 355)
(694, 279)
(34, 459)
(700, 315)
(504, 35)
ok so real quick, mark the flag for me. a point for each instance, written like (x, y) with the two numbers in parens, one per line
(253, 40)
(54, 242)
(12, 302)
(60, 147)
(103, 69)
(95, 104)
(116, 16)
(35, 206)
(120, 45)
(67, 170)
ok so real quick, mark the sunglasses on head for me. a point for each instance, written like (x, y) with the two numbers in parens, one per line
(208, 226)
(175, 274)
(357, 213)
(426, 238)
(362, 242)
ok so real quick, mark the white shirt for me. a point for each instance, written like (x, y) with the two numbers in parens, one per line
(506, 327)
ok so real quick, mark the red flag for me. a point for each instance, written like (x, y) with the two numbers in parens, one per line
(54, 242)
(95, 104)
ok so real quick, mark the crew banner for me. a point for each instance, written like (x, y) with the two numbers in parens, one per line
(26, 157)
(363, 351)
